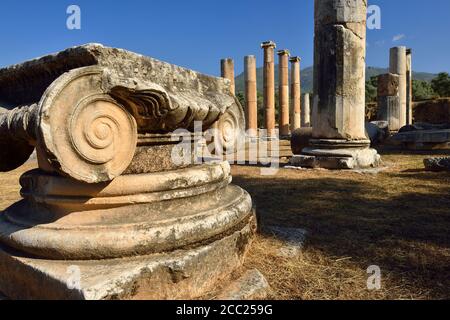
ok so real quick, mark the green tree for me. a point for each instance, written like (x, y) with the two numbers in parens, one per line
(441, 84)
(371, 89)
(422, 90)
(241, 98)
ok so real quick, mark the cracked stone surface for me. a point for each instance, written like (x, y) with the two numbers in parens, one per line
(293, 239)
(340, 31)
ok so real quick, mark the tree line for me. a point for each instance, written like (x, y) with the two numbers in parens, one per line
(439, 87)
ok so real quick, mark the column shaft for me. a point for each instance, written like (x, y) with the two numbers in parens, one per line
(227, 72)
(409, 92)
(339, 69)
(305, 111)
(295, 93)
(283, 92)
(269, 86)
(398, 66)
(251, 99)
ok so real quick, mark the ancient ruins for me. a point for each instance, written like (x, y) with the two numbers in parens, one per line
(123, 206)
(108, 199)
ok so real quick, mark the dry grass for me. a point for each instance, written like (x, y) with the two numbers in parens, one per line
(9, 185)
(398, 219)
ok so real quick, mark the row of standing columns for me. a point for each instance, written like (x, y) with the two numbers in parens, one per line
(294, 108)
(339, 139)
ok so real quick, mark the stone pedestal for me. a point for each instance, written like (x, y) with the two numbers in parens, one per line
(149, 226)
(283, 91)
(295, 94)
(397, 64)
(251, 98)
(128, 239)
(227, 72)
(305, 111)
(339, 138)
(269, 86)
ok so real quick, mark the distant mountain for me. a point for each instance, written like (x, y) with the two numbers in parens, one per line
(307, 77)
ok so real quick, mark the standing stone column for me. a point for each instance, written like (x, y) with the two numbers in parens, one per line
(306, 111)
(389, 100)
(227, 72)
(398, 66)
(269, 86)
(409, 92)
(251, 99)
(295, 93)
(283, 91)
(339, 138)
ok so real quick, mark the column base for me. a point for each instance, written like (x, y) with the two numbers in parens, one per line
(337, 154)
(183, 274)
(166, 235)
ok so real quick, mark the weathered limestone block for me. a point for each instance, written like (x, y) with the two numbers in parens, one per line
(110, 214)
(170, 234)
(416, 138)
(339, 136)
(387, 85)
(130, 93)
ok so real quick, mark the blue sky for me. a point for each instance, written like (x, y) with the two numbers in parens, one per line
(198, 33)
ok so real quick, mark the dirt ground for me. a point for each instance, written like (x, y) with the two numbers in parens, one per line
(397, 219)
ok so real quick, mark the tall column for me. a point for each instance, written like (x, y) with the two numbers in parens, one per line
(227, 72)
(283, 91)
(306, 111)
(251, 99)
(295, 93)
(409, 92)
(397, 65)
(269, 86)
(339, 138)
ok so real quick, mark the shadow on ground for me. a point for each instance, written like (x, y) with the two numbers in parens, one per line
(398, 221)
